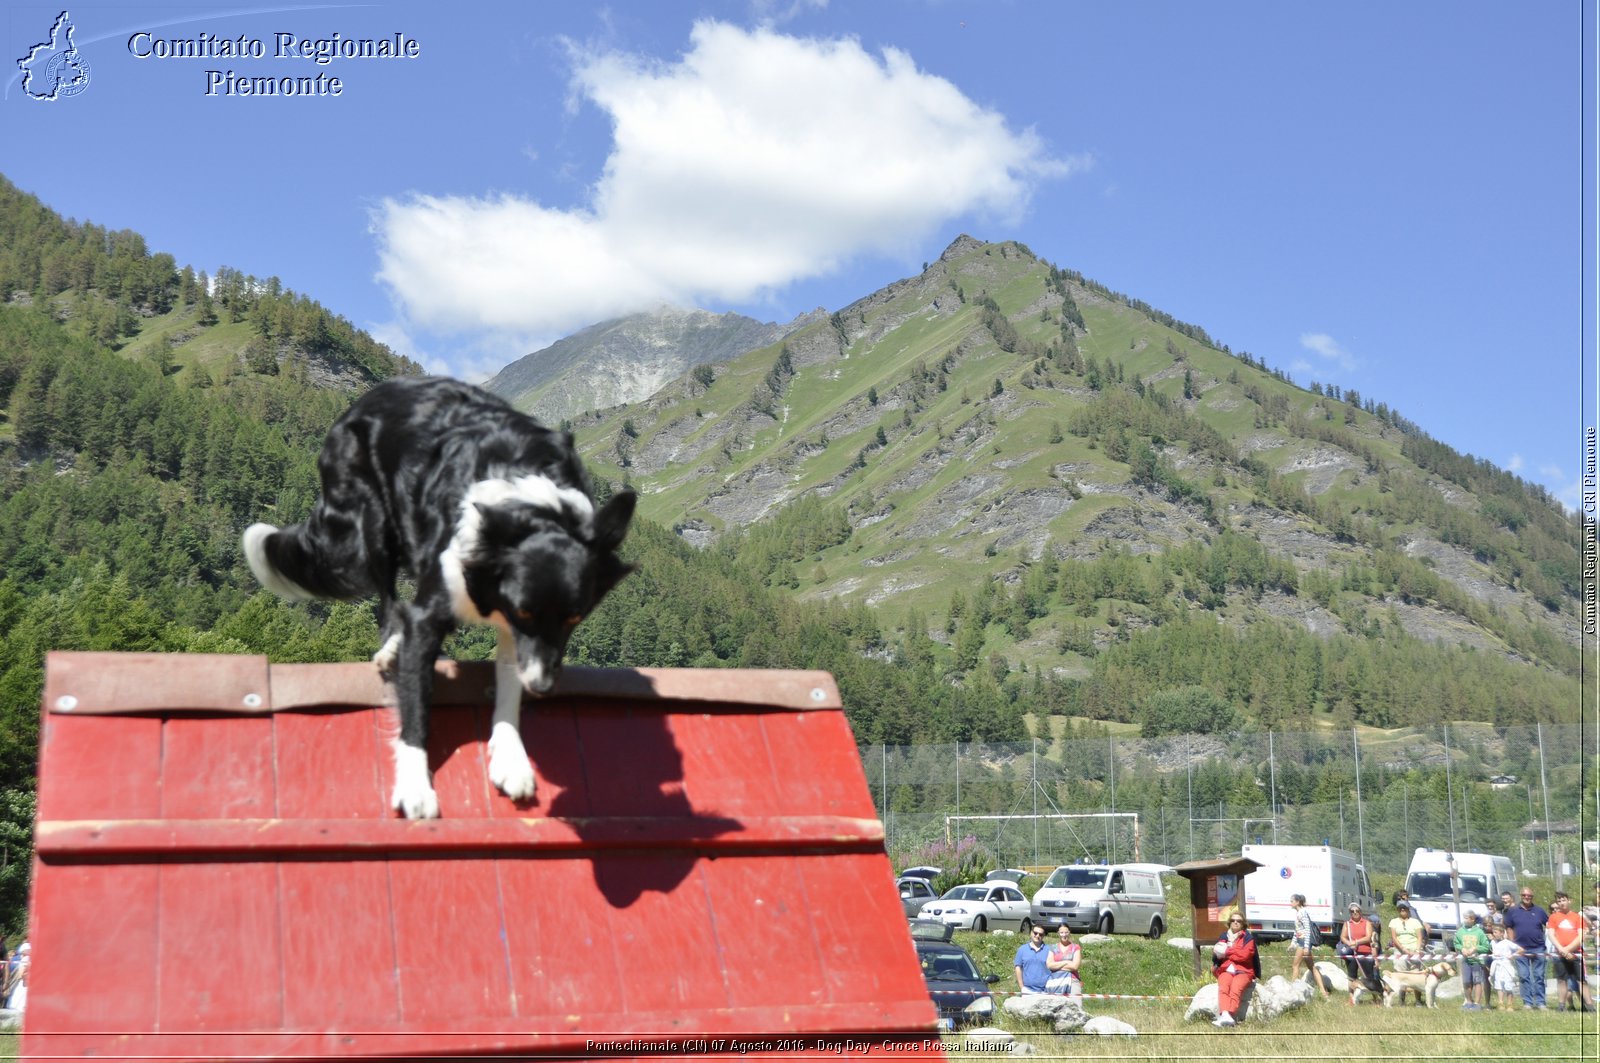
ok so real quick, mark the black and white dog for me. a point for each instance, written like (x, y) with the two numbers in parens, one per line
(491, 515)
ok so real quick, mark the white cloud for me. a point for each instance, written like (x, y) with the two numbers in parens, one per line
(1516, 463)
(1326, 347)
(755, 160)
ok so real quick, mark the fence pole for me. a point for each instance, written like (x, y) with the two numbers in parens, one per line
(1449, 789)
(1111, 774)
(1272, 774)
(1361, 830)
(1545, 787)
(883, 791)
(1188, 759)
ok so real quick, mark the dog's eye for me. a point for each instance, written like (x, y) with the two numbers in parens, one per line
(524, 616)
(574, 621)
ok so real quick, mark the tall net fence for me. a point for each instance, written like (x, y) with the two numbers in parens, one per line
(1527, 792)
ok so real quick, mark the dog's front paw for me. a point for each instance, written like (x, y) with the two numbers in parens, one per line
(509, 767)
(413, 797)
(415, 802)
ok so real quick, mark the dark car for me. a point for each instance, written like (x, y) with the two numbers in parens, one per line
(959, 991)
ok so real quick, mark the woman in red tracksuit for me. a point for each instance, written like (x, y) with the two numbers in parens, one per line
(1236, 964)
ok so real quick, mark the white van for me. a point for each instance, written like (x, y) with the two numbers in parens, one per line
(1108, 898)
(1330, 880)
(1433, 894)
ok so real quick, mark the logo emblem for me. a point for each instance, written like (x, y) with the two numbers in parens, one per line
(1284, 872)
(55, 69)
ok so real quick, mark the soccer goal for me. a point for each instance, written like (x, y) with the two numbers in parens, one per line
(1042, 839)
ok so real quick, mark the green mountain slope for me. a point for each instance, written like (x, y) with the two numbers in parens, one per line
(998, 427)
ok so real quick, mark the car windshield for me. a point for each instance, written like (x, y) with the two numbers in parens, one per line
(1435, 886)
(1076, 877)
(950, 965)
(966, 893)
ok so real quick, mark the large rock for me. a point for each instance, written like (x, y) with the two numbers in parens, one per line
(1262, 1002)
(1204, 1003)
(1187, 944)
(1065, 1014)
(1333, 976)
(1106, 1026)
(1093, 939)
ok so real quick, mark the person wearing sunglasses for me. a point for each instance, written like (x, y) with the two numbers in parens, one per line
(1525, 925)
(1032, 963)
(1235, 963)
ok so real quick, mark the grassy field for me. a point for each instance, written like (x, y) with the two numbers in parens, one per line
(1330, 1032)
(1328, 1029)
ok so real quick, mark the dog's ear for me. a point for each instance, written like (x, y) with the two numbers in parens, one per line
(611, 523)
(609, 571)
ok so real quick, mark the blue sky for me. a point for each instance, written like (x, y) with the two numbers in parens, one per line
(1390, 196)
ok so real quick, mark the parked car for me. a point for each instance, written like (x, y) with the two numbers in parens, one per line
(914, 893)
(961, 994)
(925, 873)
(1116, 898)
(981, 906)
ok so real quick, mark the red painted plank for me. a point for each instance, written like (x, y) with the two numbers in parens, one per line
(219, 961)
(450, 948)
(292, 839)
(456, 757)
(330, 766)
(99, 768)
(560, 950)
(729, 765)
(94, 933)
(631, 764)
(660, 934)
(764, 950)
(550, 735)
(212, 772)
(340, 971)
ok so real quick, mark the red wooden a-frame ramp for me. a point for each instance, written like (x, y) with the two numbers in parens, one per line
(218, 874)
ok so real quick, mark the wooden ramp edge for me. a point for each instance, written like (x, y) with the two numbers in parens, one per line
(218, 874)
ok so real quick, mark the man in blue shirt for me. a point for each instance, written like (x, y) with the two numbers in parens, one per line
(1032, 969)
(1525, 924)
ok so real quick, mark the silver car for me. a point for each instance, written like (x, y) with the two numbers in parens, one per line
(981, 906)
(914, 893)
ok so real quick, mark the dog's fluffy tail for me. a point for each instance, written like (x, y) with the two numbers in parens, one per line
(258, 551)
(286, 566)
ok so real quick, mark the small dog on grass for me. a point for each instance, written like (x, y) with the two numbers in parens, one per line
(1422, 984)
(491, 515)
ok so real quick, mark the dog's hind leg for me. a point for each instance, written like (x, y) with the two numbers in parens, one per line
(509, 767)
